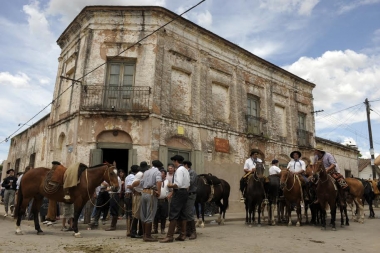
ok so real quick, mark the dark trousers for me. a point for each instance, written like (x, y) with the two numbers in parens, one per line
(114, 205)
(128, 205)
(103, 205)
(162, 209)
(178, 205)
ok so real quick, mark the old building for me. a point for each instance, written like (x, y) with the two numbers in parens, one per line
(183, 90)
(365, 168)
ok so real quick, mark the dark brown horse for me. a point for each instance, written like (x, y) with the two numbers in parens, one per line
(292, 189)
(33, 187)
(212, 189)
(327, 194)
(254, 195)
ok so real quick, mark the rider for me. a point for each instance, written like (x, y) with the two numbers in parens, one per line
(332, 168)
(274, 169)
(249, 167)
(298, 167)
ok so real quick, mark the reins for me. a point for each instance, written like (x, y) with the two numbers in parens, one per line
(88, 192)
(286, 182)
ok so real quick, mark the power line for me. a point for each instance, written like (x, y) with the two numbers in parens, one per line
(74, 81)
(326, 115)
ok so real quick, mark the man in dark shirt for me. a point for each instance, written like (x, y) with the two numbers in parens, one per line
(10, 188)
(191, 231)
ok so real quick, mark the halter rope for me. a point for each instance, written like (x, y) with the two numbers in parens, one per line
(88, 192)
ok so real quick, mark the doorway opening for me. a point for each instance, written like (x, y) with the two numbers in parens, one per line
(119, 156)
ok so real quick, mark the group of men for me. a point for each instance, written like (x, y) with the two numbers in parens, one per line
(150, 195)
(297, 167)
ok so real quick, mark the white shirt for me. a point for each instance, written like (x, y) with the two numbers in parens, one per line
(139, 175)
(164, 189)
(250, 164)
(18, 181)
(182, 177)
(129, 181)
(296, 167)
(274, 170)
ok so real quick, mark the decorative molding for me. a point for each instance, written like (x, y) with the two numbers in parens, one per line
(182, 56)
(221, 71)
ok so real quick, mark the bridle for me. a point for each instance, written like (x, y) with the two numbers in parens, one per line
(286, 181)
(320, 169)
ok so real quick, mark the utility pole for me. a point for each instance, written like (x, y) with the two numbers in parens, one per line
(371, 150)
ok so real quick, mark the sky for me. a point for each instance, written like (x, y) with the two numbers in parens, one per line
(333, 44)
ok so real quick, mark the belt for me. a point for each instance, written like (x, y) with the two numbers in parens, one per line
(137, 193)
(147, 190)
(163, 200)
(180, 189)
(191, 193)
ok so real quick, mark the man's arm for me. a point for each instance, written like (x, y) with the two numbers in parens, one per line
(332, 161)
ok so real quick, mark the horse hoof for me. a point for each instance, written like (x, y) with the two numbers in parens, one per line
(342, 226)
(40, 233)
(77, 235)
(250, 225)
(202, 225)
(222, 222)
(333, 229)
(258, 225)
(347, 224)
(298, 224)
(19, 233)
(323, 228)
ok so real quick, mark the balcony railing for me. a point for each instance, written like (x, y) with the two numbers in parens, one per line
(255, 125)
(304, 137)
(115, 98)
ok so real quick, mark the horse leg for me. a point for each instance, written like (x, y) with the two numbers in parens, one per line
(333, 216)
(219, 204)
(77, 212)
(203, 215)
(323, 218)
(35, 210)
(341, 208)
(345, 213)
(307, 216)
(299, 215)
(20, 211)
(361, 210)
(289, 212)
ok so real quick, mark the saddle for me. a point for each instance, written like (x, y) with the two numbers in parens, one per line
(210, 179)
(56, 175)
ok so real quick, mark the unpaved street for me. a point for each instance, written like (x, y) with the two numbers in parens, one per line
(234, 236)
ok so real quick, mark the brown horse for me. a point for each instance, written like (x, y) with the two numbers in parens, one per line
(292, 189)
(33, 187)
(356, 196)
(327, 193)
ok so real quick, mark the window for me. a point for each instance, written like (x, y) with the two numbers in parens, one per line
(280, 120)
(303, 139)
(32, 160)
(347, 173)
(184, 153)
(253, 115)
(120, 79)
(17, 166)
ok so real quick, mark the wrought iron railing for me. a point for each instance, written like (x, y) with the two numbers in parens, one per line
(115, 98)
(255, 125)
(303, 138)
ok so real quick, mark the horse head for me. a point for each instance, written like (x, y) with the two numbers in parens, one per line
(110, 176)
(284, 174)
(260, 170)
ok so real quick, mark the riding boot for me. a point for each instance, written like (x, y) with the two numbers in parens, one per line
(163, 221)
(178, 228)
(182, 235)
(155, 226)
(193, 235)
(148, 230)
(141, 229)
(188, 229)
(113, 224)
(128, 226)
(169, 236)
(134, 229)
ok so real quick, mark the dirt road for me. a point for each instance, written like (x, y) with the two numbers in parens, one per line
(232, 237)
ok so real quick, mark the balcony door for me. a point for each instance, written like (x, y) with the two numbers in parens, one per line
(253, 117)
(120, 80)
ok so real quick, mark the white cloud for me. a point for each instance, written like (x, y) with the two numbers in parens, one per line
(20, 80)
(346, 7)
(302, 7)
(203, 19)
(37, 21)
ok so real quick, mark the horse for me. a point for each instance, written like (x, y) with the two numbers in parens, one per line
(292, 189)
(33, 186)
(315, 208)
(272, 189)
(368, 195)
(211, 189)
(254, 195)
(327, 193)
(356, 194)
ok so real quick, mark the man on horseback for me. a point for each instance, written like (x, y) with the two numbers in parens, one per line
(298, 167)
(332, 169)
(249, 168)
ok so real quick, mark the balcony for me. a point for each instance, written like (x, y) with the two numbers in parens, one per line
(115, 98)
(304, 137)
(255, 126)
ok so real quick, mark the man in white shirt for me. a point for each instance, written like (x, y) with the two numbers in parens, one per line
(163, 206)
(128, 196)
(178, 203)
(249, 167)
(298, 167)
(274, 169)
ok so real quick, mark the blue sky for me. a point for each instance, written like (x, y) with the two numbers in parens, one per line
(334, 44)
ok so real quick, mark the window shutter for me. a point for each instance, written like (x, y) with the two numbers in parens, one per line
(163, 155)
(132, 157)
(96, 157)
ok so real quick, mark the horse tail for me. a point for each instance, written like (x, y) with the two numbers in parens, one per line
(226, 194)
(20, 198)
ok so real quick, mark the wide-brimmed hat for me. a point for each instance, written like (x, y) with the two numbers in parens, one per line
(135, 168)
(157, 163)
(144, 166)
(8, 171)
(319, 148)
(253, 151)
(294, 152)
(177, 158)
(274, 161)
